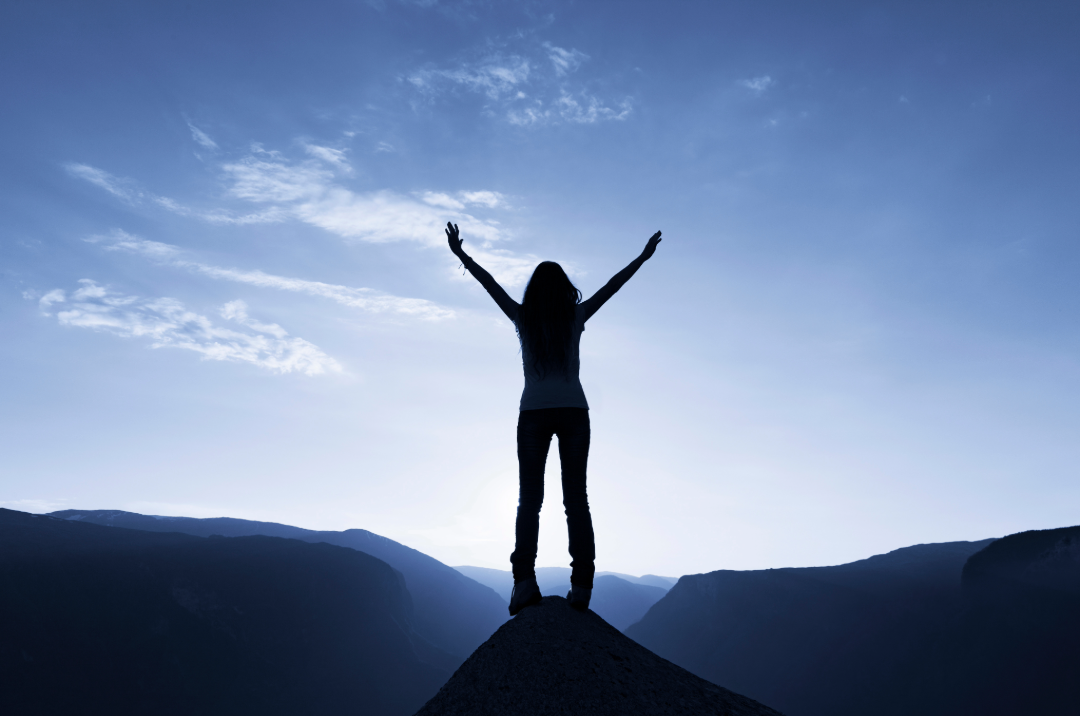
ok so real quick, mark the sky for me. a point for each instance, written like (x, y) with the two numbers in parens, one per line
(225, 289)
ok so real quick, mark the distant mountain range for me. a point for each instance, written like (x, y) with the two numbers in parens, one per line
(978, 628)
(179, 615)
(455, 608)
(452, 611)
(620, 599)
(117, 621)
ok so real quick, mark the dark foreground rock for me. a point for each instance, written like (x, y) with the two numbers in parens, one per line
(551, 659)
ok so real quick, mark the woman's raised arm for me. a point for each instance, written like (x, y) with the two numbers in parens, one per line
(598, 299)
(508, 305)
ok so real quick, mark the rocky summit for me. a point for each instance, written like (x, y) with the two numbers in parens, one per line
(551, 659)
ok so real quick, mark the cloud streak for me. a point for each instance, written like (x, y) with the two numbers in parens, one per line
(103, 180)
(526, 91)
(758, 85)
(495, 76)
(565, 61)
(130, 193)
(308, 191)
(201, 138)
(166, 323)
(365, 299)
(582, 109)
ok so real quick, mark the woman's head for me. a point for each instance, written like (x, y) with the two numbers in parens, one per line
(550, 286)
(546, 320)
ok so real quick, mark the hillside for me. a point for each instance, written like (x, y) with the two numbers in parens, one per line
(982, 628)
(452, 611)
(123, 621)
(1013, 648)
(825, 641)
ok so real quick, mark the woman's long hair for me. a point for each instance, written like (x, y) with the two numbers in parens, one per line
(546, 320)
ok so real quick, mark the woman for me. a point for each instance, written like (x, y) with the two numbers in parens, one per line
(549, 321)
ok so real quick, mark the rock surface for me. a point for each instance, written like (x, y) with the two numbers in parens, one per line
(551, 659)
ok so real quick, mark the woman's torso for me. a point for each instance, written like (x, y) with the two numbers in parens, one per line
(555, 389)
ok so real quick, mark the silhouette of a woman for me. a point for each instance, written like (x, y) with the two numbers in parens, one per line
(549, 321)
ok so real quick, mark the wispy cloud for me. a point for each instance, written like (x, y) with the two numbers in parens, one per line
(310, 192)
(266, 177)
(463, 199)
(386, 216)
(120, 240)
(131, 193)
(445, 201)
(335, 157)
(307, 191)
(102, 179)
(166, 323)
(495, 76)
(758, 85)
(583, 109)
(365, 299)
(201, 138)
(490, 199)
(46, 301)
(531, 87)
(565, 61)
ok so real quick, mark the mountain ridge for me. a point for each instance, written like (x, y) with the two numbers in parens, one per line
(778, 635)
(617, 600)
(980, 628)
(453, 612)
(168, 623)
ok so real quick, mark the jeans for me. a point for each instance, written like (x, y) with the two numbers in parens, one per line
(534, 431)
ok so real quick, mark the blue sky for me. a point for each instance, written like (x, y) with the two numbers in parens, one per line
(225, 289)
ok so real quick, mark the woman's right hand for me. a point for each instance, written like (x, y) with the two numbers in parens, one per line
(650, 248)
(453, 237)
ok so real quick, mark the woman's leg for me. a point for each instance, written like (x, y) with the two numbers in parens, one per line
(574, 434)
(534, 433)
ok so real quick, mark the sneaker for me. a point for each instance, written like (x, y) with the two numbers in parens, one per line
(525, 594)
(579, 597)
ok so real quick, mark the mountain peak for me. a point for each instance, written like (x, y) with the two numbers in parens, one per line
(551, 659)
